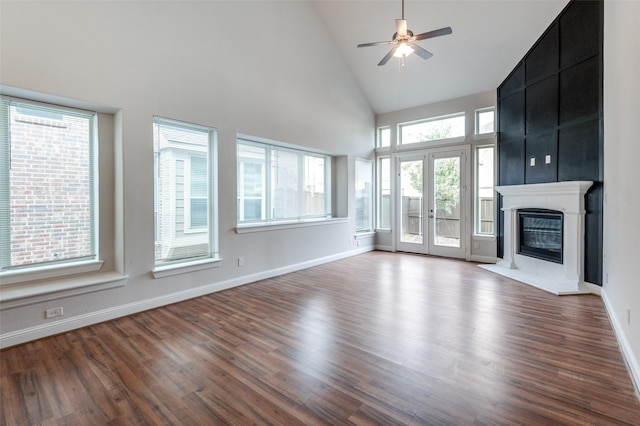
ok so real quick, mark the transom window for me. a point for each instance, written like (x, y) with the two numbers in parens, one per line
(384, 137)
(433, 129)
(277, 183)
(485, 120)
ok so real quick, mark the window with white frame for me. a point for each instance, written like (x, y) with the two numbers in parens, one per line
(281, 183)
(433, 129)
(384, 137)
(485, 121)
(484, 191)
(384, 193)
(184, 192)
(48, 190)
(364, 195)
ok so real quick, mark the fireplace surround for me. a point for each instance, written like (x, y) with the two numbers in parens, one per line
(566, 198)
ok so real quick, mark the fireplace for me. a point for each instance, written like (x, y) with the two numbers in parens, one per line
(550, 254)
(540, 234)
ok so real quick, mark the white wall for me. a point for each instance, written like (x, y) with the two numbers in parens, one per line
(241, 67)
(482, 248)
(621, 288)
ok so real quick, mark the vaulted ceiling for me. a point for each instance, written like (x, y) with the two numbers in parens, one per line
(489, 38)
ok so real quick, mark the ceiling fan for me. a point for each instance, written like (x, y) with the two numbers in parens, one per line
(404, 41)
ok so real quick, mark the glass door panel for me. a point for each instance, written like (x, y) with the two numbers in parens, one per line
(446, 190)
(410, 202)
(447, 205)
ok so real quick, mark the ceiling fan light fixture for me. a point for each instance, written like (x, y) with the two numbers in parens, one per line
(403, 50)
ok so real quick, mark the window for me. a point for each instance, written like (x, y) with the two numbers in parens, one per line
(433, 129)
(485, 120)
(384, 193)
(384, 137)
(48, 190)
(277, 183)
(184, 192)
(364, 195)
(485, 210)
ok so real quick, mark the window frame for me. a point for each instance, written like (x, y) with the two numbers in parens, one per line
(476, 193)
(379, 138)
(476, 126)
(430, 142)
(268, 220)
(370, 195)
(93, 263)
(379, 194)
(166, 267)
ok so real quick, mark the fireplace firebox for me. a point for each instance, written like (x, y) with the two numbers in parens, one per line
(540, 234)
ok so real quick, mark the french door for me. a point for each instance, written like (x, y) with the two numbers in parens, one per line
(431, 202)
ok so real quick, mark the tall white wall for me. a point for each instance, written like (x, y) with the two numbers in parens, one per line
(264, 68)
(621, 288)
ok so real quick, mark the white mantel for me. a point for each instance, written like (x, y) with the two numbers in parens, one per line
(567, 197)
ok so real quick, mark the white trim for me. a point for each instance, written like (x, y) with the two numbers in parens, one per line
(483, 259)
(257, 139)
(273, 226)
(484, 136)
(67, 324)
(625, 347)
(363, 234)
(383, 248)
(30, 293)
(185, 267)
(54, 270)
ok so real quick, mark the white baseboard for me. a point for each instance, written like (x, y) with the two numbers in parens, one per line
(627, 353)
(68, 324)
(483, 259)
(383, 248)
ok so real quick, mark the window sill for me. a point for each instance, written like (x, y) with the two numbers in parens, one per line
(383, 230)
(364, 234)
(17, 276)
(484, 237)
(39, 291)
(273, 226)
(186, 267)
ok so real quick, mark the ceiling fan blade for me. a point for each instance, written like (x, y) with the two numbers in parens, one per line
(434, 33)
(423, 53)
(376, 43)
(388, 56)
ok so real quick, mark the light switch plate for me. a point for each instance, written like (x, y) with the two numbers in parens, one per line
(547, 159)
(533, 161)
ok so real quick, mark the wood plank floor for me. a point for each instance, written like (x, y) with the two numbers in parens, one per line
(380, 338)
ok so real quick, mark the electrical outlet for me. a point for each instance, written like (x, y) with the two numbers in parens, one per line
(241, 261)
(53, 312)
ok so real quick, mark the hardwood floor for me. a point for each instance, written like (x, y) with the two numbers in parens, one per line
(380, 338)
